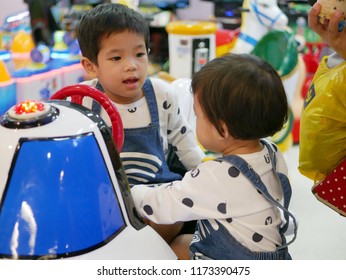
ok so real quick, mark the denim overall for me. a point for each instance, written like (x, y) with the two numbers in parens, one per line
(220, 244)
(146, 140)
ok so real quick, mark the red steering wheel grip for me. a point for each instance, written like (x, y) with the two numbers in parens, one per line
(79, 91)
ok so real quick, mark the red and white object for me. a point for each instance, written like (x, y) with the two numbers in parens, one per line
(332, 190)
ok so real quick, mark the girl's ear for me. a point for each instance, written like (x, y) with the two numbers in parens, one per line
(225, 131)
(89, 67)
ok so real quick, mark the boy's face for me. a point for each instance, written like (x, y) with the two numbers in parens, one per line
(122, 66)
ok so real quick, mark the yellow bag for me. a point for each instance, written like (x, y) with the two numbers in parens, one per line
(322, 140)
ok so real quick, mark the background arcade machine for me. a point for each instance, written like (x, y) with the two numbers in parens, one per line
(38, 80)
(159, 14)
(191, 46)
(7, 89)
(42, 66)
(15, 46)
(227, 13)
(16, 40)
(43, 23)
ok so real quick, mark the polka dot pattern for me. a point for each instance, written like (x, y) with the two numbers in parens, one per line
(166, 106)
(233, 172)
(332, 190)
(188, 202)
(147, 209)
(222, 208)
(257, 237)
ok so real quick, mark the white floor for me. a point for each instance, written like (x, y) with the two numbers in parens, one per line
(321, 231)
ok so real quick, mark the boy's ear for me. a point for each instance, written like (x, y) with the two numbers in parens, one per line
(89, 67)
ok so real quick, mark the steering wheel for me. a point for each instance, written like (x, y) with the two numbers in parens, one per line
(78, 92)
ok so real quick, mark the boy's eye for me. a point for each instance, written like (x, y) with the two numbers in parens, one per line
(116, 58)
(141, 54)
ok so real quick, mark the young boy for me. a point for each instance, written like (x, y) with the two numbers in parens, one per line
(114, 42)
(238, 100)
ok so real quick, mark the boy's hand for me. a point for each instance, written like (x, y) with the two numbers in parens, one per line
(329, 30)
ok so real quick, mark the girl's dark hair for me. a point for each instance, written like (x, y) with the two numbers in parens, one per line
(245, 93)
(107, 19)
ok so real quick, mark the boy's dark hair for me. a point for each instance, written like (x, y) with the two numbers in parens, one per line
(244, 92)
(107, 19)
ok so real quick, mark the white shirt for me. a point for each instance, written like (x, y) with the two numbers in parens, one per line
(137, 115)
(209, 192)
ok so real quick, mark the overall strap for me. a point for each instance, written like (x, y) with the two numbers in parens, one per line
(252, 175)
(149, 94)
(282, 178)
(95, 106)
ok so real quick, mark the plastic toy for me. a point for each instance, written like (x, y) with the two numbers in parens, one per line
(43, 75)
(291, 67)
(78, 92)
(64, 193)
(22, 43)
(21, 46)
(40, 78)
(328, 7)
(12, 24)
(258, 17)
(225, 40)
(59, 43)
(264, 29)
(7, 89)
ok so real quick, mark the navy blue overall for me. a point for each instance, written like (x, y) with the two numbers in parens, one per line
(142, 154)
(220, 244)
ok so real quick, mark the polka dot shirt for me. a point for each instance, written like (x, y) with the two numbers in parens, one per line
(217, 191)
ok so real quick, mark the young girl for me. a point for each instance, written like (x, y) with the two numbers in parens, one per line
(238, 100)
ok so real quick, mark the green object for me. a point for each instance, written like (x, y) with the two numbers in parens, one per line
(278, 48)
(284, 133)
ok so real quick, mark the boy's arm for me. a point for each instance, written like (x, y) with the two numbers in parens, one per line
(184, 139)
(329, 30)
